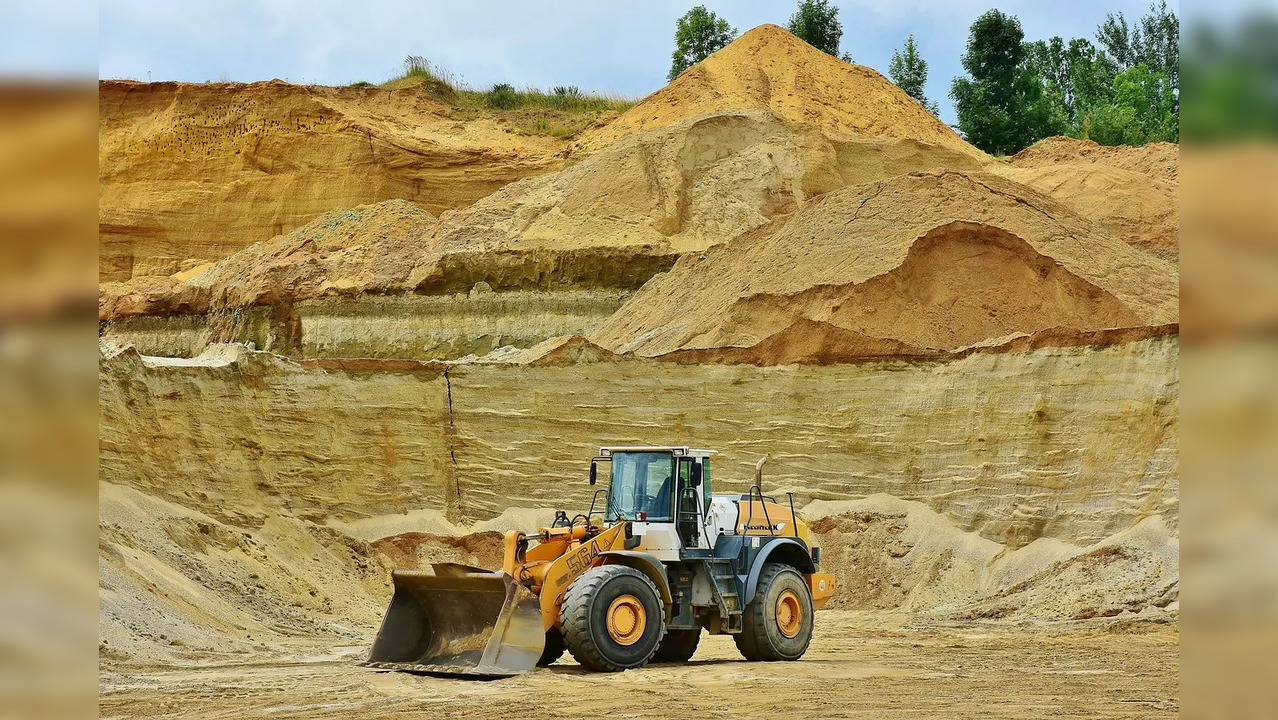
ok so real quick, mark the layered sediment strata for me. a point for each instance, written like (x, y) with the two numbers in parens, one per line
(189, 173)
(411, 326)
(1073, 443)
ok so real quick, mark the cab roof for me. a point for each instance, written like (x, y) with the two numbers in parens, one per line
(672, 449)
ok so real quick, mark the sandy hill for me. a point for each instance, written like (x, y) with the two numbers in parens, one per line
(934, 260)
(1159, 161)
(370, 248)
(683, 186)
(1130, 192)
(770, 68)
(612, 219)
(192, 172)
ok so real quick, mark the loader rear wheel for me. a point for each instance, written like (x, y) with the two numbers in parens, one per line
(678, 646)
(612, 618)
(777, 623)
(553, 649)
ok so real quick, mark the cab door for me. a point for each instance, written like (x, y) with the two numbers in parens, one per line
(689, 512)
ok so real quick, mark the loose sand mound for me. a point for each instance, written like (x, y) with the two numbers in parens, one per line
(612, 220)
(557, 351)
(1129, 192)
(937, 261)
(1159, 161)
(1127, 205)
(896, 554)
(768, 67)
(192, 172)
(177, 586)
(684, 185)
(370, 248)
(811, 342)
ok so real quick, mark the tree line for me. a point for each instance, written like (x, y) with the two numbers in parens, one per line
(1123, 88)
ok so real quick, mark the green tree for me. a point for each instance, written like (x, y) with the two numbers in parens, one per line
(908, 70)
(1048, 58)
(1158, 44)
(1154, 41)
(1003, 106)
(1142, 111)
(1074, 75)
(1091, 76)
(816, 22)
(698, 34)
(1116, 37)
(1127, 90)
(1129, 93)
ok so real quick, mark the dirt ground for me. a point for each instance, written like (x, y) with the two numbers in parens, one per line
(860, 665)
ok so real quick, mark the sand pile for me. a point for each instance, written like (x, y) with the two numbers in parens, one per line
(768, 67)
(896, 554)
(934, 260)
(370, 248)
(611, 220)
(1159, 161)
(178, 586)
(181, 586)
(684, 185)
(559, 351)
(189, 173)
(1129, 192)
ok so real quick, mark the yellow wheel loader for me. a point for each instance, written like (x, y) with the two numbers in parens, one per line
(668, 560)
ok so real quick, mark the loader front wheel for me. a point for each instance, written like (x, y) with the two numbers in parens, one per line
(553, 649)
(612, 618)
(777, 623)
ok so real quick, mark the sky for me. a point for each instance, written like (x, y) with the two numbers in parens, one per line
(619, 46)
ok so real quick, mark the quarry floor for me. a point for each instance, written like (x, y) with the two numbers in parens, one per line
(860, 664)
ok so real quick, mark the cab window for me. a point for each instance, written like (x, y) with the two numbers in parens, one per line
(642, 482)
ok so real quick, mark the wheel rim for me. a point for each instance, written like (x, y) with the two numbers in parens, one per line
(789, 614)
(626, 620)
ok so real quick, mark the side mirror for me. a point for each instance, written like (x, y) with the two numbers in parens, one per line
(696, 474)
(594, 472)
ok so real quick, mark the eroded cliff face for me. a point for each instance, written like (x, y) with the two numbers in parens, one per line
(422, 327)
(192, 172)
(1069, 443)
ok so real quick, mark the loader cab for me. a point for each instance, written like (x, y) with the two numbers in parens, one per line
(663, 491)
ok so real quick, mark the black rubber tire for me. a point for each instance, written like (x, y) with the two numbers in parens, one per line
(554, 647)
(760, 637)
(677, 646)
(584, 618)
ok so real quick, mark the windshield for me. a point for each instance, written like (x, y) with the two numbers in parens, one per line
(641, 482)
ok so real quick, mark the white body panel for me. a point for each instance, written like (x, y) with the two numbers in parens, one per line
(660, 540)
(722, 516)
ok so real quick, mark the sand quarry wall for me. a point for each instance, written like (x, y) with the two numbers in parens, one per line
(424, 327)
(1068, 443)
(193, 172)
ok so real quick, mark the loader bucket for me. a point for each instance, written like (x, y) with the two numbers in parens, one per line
(459, 621)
